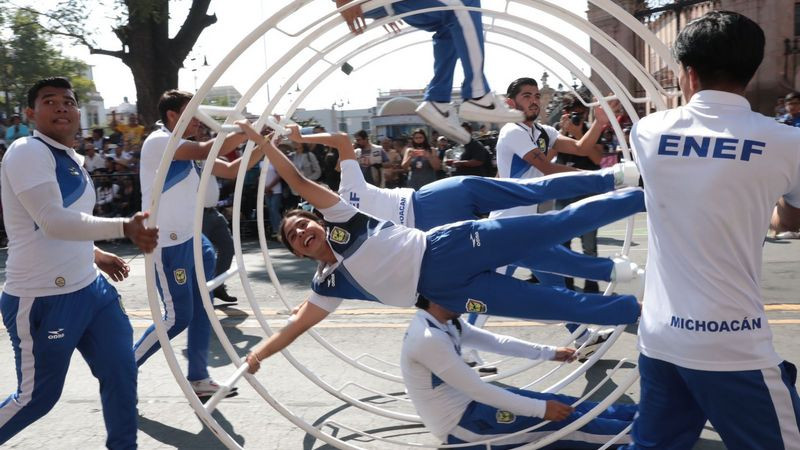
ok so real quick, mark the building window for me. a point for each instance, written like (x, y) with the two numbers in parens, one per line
(365, 125)
(343, 127)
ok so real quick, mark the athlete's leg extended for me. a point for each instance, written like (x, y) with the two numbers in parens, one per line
(174, 273)
(561, 260)
(468, 197)
(106, 347)
(461, 30)
(500, 295)
(476, 246)
(199, 331)
(44, 332)
(481, 422)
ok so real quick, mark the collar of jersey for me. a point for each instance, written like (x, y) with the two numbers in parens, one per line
(50, 141)
(442, 326)
(709, 96)
(324, 269)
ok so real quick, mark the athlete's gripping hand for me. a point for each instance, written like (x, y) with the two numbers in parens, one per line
(354, 17)
(143, 237)
(253, 362)
(557, 411)
(294, 133)
(111, 264)
(566, 354)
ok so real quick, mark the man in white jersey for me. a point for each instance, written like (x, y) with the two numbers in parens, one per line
(714, 164)
(526, 150)
(457, 406)
(175, 269)
(55, 300)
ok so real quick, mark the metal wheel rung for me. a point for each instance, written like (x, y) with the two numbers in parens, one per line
(217, 282)
(225, 388)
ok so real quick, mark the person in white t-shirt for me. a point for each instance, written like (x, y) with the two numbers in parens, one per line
(365, 258)
(458, 407)
(174, 256)
(55, 300)
(713, 170)
(93, 160)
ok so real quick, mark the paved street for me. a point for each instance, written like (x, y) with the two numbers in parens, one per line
(167, 421)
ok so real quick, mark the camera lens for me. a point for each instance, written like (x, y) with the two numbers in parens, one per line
(575, 118)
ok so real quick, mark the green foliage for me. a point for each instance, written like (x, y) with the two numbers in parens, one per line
(27, 56)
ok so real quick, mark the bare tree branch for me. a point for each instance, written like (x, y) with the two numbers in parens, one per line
(196, 21)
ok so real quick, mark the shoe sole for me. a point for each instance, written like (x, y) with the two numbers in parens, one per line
(205, 397)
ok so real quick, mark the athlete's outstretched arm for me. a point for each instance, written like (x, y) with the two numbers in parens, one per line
(340, 141)
(320, 197)
(306, 317)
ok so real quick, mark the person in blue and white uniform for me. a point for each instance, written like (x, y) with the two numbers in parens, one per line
(174, 258)
(365, 258)
(457, 198)
(458, 407)
(457, 36)
(55, 299)
(713, 171)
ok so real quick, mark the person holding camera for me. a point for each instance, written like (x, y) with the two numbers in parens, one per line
(573, 125)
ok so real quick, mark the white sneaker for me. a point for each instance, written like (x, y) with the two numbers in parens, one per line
(626, 174)
(208, 387)
(624, 269)
(489, 108)
(788, 235)
(599, 339)
(445, 119)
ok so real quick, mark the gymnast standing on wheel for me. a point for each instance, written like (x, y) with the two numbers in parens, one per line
(365, 258)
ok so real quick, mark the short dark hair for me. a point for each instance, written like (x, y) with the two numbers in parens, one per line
(722, 47)
(361, 134)
(466, 126)
(172, 100)
(57, 82)
(295, 213)
(422, 302)
(518, 84)
(792, 96)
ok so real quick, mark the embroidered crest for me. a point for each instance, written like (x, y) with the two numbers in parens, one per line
(180, 276)
(61, 282)
(542, 144)
(475, 306)
(173, 236)
(339, 235)
(505, 417)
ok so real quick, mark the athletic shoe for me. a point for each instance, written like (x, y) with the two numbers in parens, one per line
(624, 269)
(599, 339)
(626, 175)
(489, 108)
(444, 118)
(222, 294)
(208, 387)
(788, 235)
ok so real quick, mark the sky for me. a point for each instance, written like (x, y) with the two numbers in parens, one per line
(402, 63)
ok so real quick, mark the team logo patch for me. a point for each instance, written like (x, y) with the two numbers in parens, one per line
(61, 282)
(505, 417)
(339, 235)
(73, 171)
(180, 276)
(541, 144)
(475, 306)
(173, 236)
